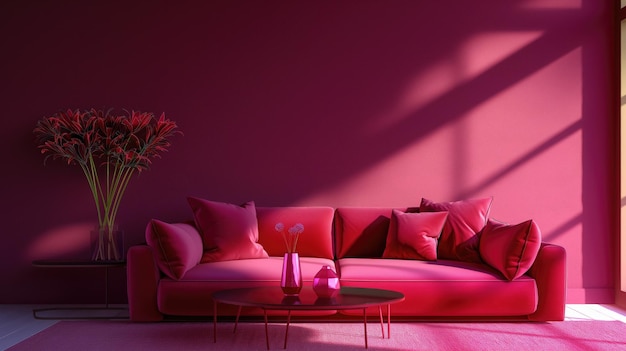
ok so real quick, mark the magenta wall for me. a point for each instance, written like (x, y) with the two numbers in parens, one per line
(338, 103)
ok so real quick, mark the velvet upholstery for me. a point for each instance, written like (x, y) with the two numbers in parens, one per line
(182, 296)
(178, 246)
(143, 278)
(229, 232)
(550, 272)
(460, 237)
(362, 231)
(511, 249)
(414, 235)
(315, 241)
(443, 288)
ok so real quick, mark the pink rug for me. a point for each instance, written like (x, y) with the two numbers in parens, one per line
(190, 336)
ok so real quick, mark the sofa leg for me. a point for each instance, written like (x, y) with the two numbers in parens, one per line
(237, 319)
(267, 338)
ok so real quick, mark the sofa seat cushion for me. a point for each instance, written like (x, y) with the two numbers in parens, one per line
(442, 287)
(191, 295)
(262, 269)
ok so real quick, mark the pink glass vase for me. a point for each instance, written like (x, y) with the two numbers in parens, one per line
(291, 279)
(326, 283)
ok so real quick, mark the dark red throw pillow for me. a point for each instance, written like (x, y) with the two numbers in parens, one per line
(511, 249)
(459, 239)
(414, 235)
(178, 246)
(229, 232)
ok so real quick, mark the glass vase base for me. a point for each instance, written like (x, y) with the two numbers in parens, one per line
(107, 245)
(291, 292)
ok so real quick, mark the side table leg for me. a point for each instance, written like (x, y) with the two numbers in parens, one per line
(106, 287)
(214, 321)
(287, 328)
(267, 338)
(365, 325)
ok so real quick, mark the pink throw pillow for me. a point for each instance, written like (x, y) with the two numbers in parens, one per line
(466, 218)
(414, 235)
(229, 232)
(511, 249)
(178, 246)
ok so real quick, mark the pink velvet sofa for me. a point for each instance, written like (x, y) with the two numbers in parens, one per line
(481, 269)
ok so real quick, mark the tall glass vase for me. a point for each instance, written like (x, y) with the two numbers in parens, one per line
(107, 244)
(291, 279)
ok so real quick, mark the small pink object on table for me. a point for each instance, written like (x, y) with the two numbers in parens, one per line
(291, 278)
(326, 283)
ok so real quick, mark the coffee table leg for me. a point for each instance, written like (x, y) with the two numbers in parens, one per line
(267, 338)
(382, 325)
(287, 328)
(365, 325)
(388, 321)
(214, 321)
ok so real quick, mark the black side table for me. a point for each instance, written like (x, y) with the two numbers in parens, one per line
(114, 312)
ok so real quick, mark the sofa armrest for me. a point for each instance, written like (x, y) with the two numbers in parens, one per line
(142, 282)
(549, 271)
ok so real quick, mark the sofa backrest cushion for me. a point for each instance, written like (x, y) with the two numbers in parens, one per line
(177, 247)
(362, 231)
(510, 248)
(316, 239)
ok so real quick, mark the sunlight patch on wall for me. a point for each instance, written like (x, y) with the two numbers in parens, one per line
(70, 241)
(531, 125)
(403, 178)
(484, 50)
(490, 146)
(528, 114)
(472, 59)
(551, 4)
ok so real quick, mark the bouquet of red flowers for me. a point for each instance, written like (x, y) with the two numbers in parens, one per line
(109, 148)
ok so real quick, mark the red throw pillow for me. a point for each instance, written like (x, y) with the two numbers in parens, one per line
(229, 232)
(466, 218)
(511, 249)
(178, 246)
(414, 235)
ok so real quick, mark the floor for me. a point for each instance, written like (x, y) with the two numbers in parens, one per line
(17, 322)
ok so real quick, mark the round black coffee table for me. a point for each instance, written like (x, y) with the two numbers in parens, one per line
(272, 298)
